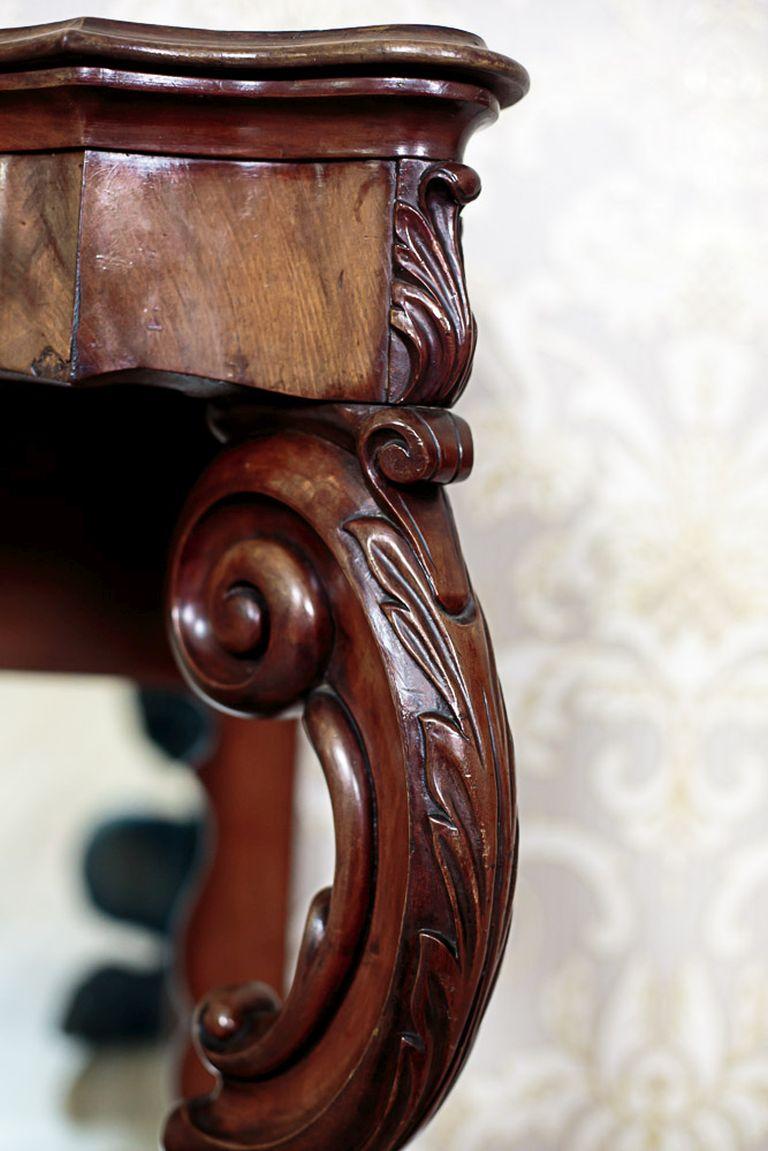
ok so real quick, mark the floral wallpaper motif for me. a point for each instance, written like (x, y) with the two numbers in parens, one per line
(617, 529)
(618, 523)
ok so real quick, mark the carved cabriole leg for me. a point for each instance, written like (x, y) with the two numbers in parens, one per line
(318, 560)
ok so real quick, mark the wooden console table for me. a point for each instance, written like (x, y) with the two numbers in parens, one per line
(262, 231)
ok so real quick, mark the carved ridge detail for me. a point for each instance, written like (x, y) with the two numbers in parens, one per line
(433, 330)
(388, 647)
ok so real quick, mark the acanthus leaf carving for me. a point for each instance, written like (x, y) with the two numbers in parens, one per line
(433, 330)
(404, 709)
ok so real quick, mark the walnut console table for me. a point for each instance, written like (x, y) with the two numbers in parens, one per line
(253, 241)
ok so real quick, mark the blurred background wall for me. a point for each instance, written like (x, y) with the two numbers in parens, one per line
(616, 527)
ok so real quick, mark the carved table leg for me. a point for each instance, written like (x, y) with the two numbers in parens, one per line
(237, 926)
(318, 561)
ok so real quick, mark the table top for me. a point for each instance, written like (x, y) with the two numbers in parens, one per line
(412, 50)
(168, 196)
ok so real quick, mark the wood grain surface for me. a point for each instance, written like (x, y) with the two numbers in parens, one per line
(319, 563)
(390, 49)
(347, 117)
(273, 275)
(39, 210)
(279, 211)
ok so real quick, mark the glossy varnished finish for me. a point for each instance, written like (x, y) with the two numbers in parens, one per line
(274, 220)
(323, 281)
(332, 528)
(39, 214)
(390, 49)
(188, 268)
(366, 92)
(297, 263)
(432, 327)
(308, 119)
(237, 928)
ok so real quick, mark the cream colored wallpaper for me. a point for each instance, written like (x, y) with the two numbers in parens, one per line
(617, 529)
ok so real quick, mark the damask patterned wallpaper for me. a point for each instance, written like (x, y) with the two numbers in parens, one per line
(617, 529)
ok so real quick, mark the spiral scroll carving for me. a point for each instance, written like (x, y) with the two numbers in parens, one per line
(319, 562)
(243, 595)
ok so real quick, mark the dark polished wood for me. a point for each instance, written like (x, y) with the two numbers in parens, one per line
(91, 486)
(329, 119)
(329, 537)
(387, 49)
(366, 255)
(191, 269)
(371, 92)
(237, 926)
(306, 242)
(40, 212)
(270, 224)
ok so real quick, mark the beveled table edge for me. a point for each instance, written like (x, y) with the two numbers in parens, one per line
(399, 49)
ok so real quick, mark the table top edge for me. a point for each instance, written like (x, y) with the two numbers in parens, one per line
(404, 49)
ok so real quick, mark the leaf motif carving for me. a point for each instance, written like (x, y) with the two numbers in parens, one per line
(433, 328)
(460, 752)
(363, 595)
(411, 610)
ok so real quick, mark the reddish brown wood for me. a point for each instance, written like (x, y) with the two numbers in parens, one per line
(367, 255)
(236, 931)
(433, 330)
(289, 290)
(317, 563)
(39, 210)
(320, 561)
(191, 269)
(323, 119)
(366, 92)
(389, 49)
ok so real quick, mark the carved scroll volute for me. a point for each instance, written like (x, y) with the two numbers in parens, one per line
(433, 330)
(322, 557)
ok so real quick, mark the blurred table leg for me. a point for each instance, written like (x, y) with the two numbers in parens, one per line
(236, 929)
